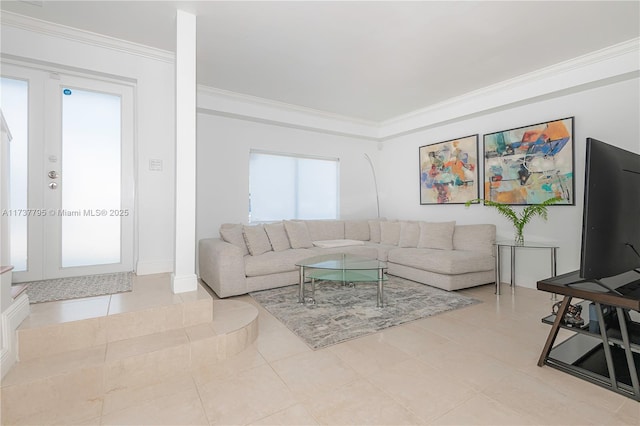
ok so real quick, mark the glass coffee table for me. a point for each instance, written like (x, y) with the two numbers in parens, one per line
(346, 268)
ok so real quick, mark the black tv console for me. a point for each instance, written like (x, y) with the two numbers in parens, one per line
(605, 350)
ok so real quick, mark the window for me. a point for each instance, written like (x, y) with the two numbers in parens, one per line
(292, 187)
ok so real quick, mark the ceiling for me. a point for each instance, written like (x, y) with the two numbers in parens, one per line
(372, 61)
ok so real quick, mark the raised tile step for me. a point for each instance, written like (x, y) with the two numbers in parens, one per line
(72, 386)
(38, 341)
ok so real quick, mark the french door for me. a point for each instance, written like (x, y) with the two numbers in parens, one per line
(80, 180)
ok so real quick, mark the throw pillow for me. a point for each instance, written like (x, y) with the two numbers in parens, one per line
(257, 240)
(277, 236)
(232, 234)
(389, 233)
(436, 235)
(409, 234)
(298, 234)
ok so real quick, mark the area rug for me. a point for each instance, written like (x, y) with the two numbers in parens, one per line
(77, 287)
(342, 313)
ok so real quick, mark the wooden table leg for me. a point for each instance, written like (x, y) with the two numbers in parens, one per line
(554, 330)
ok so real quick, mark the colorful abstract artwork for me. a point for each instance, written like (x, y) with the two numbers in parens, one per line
(529, 165)
(449, 171)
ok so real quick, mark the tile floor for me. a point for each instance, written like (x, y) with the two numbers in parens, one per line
(475, 365)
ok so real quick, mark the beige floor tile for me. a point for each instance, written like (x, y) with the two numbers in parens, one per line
(245, 360)
(412, 339)
(545, 403)
(54, 365)
(229, 316)
(567, 384)
(183, 408)
(146, 368)
(476, 369)
(130, 397)
(368, 355)
(58, 338)
(150, 297)
(312, 373)
(71, 397)
(275, 345)
(66, 311)
(200, 294)
(359, 403)
(482, 410)
(427, 392)
(197, 312)
(128, 325)
(629, 412)
(295, 415)
(122, 349)
(245, 397)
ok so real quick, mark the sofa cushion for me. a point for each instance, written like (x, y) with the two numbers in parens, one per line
(382, 249)
(480, 237)
(298, 234)
(389, 233)
(277, 236)
(356, 230)
(442, 261)
(256, 239)
(409, 234)
(275, 262)
(374, 231)
(436, 235)
(320, 230)
(232, 234)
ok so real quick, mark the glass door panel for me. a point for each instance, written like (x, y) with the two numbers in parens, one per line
(91, 206)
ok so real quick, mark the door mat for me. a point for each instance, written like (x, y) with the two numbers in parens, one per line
(78, 287)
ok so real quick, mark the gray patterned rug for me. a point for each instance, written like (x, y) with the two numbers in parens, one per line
(77, 287)
(342, 313)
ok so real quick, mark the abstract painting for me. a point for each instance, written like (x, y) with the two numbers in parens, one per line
(530, 164)
(449, 171)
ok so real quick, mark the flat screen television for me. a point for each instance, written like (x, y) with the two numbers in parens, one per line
(611, 218)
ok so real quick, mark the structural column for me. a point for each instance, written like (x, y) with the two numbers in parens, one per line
(184, 277)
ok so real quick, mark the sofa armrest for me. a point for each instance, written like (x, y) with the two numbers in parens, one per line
(221, 267)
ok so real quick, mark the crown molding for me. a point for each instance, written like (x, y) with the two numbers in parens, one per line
(232, 104)
(283, 106)
(599, 66)
(82, 36)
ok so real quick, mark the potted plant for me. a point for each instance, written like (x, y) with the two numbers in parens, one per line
(518, 221)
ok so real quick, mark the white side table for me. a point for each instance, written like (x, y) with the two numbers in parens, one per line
(527, 245)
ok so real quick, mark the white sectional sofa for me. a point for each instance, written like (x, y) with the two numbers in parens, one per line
(440, 254)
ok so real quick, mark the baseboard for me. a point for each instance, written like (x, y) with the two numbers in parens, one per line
(154, 267)
(184, 283)
(12, 317)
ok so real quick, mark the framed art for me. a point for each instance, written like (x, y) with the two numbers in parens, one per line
(530, 164)
(449, 171)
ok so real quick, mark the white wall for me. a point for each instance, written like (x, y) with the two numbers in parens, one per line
(223, 167)
(609, 113)
(48, 45)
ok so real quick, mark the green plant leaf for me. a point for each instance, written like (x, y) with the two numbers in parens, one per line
(525, 217)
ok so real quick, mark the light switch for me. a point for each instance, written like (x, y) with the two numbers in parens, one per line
(155, 165)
